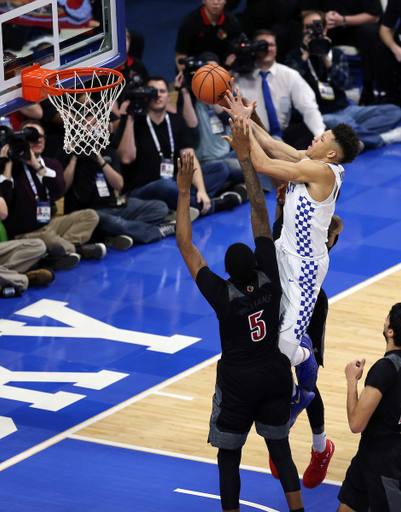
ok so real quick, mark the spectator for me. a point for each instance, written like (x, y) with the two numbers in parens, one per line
(16, 258)
(29, 186)
(280, 17)
(287, 89)
(327, 74)
(208, 28)
(353, 23)
(91, 182)
(149, 146)
(388, 54)
(373, 478)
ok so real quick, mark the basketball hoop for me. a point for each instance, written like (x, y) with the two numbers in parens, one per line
(84, 109)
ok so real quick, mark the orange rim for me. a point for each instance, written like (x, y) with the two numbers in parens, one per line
(71, 73)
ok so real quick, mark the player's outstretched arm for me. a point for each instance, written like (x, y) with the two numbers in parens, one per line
(240, 143)
(242, 107)
(192, 257)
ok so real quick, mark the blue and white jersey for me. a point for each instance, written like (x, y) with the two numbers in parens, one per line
(306, 221)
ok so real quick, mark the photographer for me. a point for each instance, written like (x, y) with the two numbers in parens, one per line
(29, 185)
(326, 71)
(278, 90)
(16, 258)
(149, 147)
(91, 182)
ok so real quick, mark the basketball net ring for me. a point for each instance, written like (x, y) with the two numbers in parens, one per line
(84, 108)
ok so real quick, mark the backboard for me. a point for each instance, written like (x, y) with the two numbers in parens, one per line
(57, 34)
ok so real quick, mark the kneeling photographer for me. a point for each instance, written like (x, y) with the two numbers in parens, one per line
(326, 71)
(30, 184)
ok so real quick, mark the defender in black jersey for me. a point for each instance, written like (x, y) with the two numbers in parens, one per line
(373, 480)
(254, 379)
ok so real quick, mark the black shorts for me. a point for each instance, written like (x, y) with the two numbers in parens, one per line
(243, 396)
(373, 480)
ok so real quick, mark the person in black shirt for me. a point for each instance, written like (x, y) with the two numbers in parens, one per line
(373, 479)
(388, 54)
(208, 28)
(328, 75)
(254, 382)
(91, 182)
(354, 23)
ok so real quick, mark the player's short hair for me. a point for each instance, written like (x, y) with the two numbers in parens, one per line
(240, 262)
(347, 139)
(158, 79)
(395, 323)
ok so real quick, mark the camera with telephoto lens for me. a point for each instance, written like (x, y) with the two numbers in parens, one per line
(138, 96)
(18, 142)
(318, 44)
(191, 65)
(245, 51)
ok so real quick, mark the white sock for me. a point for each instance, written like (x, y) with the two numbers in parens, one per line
(319, 442)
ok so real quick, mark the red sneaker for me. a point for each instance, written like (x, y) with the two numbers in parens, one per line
(317, 470)
(273, 468)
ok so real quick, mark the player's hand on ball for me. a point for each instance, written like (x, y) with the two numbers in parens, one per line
(239, 106)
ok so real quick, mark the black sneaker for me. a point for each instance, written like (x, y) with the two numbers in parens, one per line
(92, 251)
(167, 229)
(121, 242)
(61, 263)
(40, 277)
(227, 201)
(240, 188)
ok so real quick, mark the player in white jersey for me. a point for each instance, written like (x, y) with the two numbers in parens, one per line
(314, 178)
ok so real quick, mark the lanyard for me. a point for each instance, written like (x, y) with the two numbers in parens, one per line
(156, 140)
(312, 69)
(32, 183)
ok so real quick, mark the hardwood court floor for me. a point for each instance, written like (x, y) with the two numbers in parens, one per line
(179, 423)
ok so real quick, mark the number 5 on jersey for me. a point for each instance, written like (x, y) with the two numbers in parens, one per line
(258, 326)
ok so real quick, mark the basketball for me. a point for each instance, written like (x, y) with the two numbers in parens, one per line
(210, 83)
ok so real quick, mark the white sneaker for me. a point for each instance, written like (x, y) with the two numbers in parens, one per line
(392, 136)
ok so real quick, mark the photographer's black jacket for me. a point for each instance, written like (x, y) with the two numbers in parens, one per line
(21, 200)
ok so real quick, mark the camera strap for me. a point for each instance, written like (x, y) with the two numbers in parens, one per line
(325, 89)
(43, 210)
(156, 140)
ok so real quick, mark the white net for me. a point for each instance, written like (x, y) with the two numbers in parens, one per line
(86, 114)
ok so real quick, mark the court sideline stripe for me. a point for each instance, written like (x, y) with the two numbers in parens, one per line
(63, 435)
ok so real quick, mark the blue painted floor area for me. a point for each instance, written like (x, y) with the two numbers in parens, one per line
(101, 312)
(61, 478)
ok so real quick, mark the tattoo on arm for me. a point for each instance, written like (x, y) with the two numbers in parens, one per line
(259, 214)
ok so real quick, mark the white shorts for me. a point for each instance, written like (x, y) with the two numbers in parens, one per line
(301, 280)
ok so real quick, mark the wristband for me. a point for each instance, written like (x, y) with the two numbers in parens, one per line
(344, 22)
(39, 168)
(103, 164)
